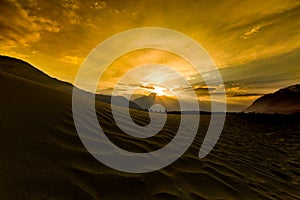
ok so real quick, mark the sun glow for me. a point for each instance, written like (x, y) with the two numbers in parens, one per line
(159, 91)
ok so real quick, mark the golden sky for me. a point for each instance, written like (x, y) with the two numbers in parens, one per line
(254, 43)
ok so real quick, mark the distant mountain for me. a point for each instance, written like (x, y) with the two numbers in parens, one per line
(122, 101)
(22, 69)
(284, 101)
(169, 103)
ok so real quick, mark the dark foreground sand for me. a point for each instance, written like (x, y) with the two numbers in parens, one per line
(42, 157)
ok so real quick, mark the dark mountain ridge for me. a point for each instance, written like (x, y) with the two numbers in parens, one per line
(170, 103)
(283, 101)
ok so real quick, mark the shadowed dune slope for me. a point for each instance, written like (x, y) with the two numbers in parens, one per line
(42, 156)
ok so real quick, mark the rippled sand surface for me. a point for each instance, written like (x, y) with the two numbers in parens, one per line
(42, 157)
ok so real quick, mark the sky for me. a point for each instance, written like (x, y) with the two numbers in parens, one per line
(255, 44)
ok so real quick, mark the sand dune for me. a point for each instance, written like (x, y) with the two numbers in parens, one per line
(42, 157)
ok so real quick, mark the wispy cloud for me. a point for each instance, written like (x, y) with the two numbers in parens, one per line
(244, 95)
(18, 28)
(70, 59)
(251, 32)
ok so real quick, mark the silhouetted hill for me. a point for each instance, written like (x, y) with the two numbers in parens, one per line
(24, 70)
(284, 101)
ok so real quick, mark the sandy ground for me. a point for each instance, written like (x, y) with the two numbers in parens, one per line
(42, 156)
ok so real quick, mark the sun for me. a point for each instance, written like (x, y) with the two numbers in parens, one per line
(159, 90)
(148, 88)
